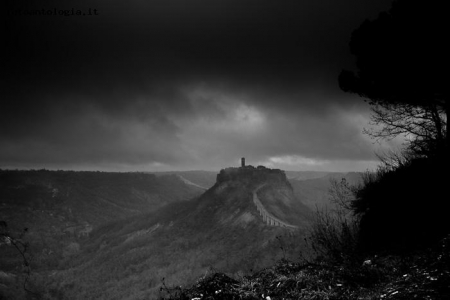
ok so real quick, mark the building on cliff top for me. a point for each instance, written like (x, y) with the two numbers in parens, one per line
(249, 172)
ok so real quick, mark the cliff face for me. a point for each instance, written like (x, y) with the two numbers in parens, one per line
(271, 188)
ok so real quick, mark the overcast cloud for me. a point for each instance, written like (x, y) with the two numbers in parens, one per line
(178, 85)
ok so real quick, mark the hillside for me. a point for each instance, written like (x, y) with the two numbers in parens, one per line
(221, 229)
(60, 209)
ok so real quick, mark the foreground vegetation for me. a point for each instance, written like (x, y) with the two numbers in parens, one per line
(419, 275)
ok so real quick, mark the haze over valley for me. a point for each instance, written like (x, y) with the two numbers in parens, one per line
(89, 229)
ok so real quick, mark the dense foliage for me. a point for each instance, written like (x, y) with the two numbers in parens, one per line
(404, 207)
(402, 67)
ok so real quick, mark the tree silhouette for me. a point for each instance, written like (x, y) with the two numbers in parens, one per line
(402, 61)
(22, 248)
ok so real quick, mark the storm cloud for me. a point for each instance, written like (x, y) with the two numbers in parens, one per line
(176, 85)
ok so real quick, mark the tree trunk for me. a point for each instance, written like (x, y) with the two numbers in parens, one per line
(447, 114)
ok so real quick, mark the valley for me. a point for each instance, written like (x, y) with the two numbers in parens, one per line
(117, 235)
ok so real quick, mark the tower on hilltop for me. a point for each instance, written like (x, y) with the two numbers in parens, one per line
(243, 162)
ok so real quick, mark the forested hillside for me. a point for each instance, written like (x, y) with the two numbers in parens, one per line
(60, 210)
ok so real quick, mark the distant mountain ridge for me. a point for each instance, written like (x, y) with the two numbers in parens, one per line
(204, 179)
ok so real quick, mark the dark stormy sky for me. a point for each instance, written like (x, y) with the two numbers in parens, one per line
(178, 85)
